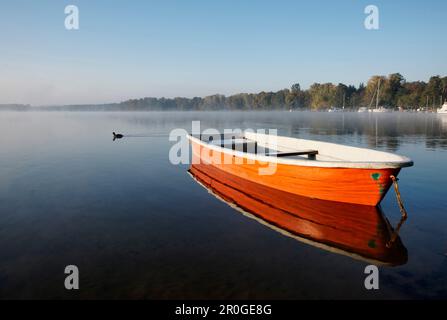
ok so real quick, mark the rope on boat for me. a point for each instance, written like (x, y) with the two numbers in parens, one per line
(399, 198)
(402, 211)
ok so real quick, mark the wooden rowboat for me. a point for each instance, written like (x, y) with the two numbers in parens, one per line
(360, 232)
(313, 169)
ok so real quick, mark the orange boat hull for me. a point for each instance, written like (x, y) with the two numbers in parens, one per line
(349, 185)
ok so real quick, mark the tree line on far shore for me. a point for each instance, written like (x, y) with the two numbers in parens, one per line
(395, 92)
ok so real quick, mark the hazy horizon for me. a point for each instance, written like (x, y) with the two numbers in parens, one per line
(176, 96)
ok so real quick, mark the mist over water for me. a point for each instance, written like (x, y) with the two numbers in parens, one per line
(139, 227)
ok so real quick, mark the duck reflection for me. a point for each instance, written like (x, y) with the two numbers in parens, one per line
(361, 232)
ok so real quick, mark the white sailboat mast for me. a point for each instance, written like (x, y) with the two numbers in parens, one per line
(377, 97)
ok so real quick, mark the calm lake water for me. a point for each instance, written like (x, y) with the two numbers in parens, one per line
(139, 227)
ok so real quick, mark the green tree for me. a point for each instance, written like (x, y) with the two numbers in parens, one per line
(370, 95)
(323, 96)
(393, 88)
(296, 88)
(434, 91)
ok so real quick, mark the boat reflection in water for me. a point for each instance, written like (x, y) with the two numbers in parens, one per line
(357, 231)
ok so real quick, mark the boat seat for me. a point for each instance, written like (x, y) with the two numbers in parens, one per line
(310, 153)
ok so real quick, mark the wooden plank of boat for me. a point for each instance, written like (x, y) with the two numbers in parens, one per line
(338, 172)
(310, 153)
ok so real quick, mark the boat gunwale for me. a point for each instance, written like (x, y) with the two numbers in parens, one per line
(403, 162)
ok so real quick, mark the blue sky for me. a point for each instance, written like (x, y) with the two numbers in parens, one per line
(131, 49)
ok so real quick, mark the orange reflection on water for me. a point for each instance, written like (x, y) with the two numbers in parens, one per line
(361, 232)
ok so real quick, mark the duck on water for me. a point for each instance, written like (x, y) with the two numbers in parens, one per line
(117, 136)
